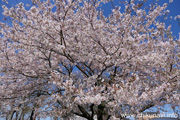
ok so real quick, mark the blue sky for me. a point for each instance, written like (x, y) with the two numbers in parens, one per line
(174, 8)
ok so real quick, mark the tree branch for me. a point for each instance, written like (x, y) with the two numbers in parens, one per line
(84, 112)
(146, 107)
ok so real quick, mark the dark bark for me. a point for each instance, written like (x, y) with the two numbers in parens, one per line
(32, 114)
(92, 111)
(109, 116)
(146, 107)
(84, 112)
(100, 112)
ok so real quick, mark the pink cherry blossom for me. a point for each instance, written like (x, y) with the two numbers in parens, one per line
(65, 57)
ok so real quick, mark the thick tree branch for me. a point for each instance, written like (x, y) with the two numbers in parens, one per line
(32, 114)
(146, 107)
(84, 112)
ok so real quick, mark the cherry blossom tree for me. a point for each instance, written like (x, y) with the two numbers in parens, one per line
(65, 57)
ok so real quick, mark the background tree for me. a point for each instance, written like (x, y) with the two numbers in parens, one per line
(65, 58)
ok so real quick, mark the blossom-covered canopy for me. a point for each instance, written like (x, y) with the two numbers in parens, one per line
(64, 57)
